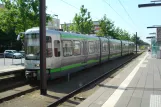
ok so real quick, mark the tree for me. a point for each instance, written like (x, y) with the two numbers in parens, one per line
(121, 34)
(82, 22)
(65, 27)
(139, 41)
(106, 27)
(20, 14)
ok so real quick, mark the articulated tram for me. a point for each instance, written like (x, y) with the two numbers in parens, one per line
(70, 52)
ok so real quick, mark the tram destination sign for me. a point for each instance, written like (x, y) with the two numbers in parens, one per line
(159, 34)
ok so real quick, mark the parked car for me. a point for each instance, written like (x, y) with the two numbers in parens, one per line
(12, 54)
(23, 53)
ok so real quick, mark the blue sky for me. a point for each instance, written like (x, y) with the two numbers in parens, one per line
(141, 17)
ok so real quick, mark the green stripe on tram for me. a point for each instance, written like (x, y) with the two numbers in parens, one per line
(66, 67)
(72, 66)
(79, 64)
(106, 57)
(114, 55)
(55, 70)
(92, 61)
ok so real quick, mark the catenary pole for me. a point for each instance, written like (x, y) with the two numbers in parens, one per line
(136, 42)
(43, 81)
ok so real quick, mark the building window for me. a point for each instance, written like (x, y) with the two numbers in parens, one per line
(77, 48)
(67, 48)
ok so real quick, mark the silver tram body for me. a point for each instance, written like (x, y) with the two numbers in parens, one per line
(69, 52)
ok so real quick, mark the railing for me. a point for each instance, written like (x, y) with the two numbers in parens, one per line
(1, 55)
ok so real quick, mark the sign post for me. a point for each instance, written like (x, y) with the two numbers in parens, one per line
(43, 81)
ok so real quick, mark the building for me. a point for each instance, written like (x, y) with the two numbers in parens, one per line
(95, 24)
(1, 6)
(54, 24)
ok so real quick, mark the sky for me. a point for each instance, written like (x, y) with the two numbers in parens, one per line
(134, 20)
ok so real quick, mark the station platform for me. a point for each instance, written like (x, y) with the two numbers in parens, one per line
(9, 69)
(137, 85)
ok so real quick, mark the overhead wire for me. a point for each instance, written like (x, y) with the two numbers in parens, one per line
(115, 11)
(70, 4)
(129, 16)
(109, 6)
(126, 12)
(73, 6)
(134, 26)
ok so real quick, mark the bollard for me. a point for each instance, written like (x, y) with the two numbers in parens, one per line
(12, 60)
(4, 58)
(21, 60)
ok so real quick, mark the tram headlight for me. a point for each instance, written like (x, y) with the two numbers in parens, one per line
(37, 65)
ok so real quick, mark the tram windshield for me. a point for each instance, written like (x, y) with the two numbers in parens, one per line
(32, 46)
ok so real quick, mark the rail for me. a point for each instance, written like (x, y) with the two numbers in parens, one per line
(65, 98)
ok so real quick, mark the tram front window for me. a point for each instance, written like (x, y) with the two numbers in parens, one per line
(32, 46)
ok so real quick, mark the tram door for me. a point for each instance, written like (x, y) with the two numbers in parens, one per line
(85, 51)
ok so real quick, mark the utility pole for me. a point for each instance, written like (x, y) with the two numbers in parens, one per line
(43, 81)
(136, 42)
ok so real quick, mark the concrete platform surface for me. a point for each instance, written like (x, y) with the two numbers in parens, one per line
(135, 86)
(11, 68)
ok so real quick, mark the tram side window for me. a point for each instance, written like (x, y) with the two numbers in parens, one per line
(111, 47)
(91, 47)
(57, 48)
(104, 47)
(97, 46)
(67, 48)
(48, 46)
(77, 48)
(114, 47)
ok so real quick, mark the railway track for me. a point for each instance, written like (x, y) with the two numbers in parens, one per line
(13, 84)
(93, 82)
(11, 79)
(27, 88)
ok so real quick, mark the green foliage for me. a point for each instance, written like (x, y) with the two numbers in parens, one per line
(143, 47)
(65, 27)
(20, 15)
(139, 41)
(16, 17)
(106, 27)
(82, 22)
